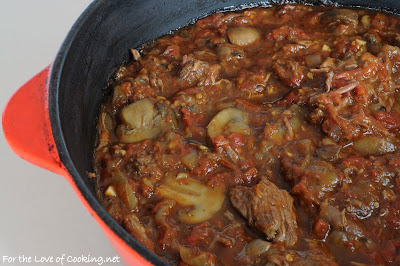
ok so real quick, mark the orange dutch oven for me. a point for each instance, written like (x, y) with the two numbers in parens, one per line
(59, 107)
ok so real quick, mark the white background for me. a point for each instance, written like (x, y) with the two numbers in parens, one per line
(40, 215)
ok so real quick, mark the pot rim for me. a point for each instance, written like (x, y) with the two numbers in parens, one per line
(56, 127)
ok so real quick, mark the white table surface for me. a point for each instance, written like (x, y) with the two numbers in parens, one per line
(40, 215)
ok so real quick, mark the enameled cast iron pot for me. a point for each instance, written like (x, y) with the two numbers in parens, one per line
(51, 120)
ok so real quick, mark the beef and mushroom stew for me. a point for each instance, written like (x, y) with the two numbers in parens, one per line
(266, 136)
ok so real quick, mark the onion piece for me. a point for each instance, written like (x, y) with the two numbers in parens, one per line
(257, 247)
(371, 145)
(124, 190)
(190, 160)
(201, 258)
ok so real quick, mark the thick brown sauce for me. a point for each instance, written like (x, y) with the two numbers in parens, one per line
(305, 97)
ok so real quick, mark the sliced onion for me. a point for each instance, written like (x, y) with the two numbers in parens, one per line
(257, 247)
(190, 160)
(199, 259)
(371, 145)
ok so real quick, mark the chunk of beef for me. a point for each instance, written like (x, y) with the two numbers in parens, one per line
(291, 73)
(252, 84)
(313, 179)
(196, 71)
(267, 209)
(340, 21)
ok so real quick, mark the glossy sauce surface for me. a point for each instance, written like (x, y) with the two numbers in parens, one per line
(262, 136)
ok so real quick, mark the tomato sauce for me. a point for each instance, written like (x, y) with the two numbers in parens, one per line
(266, 136)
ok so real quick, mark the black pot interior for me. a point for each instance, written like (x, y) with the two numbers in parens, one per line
(96, 46)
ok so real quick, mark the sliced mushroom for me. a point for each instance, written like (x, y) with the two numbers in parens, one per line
(340, 21)
(139, 114)
(373, 42)
(243, 36)
(347, 16)
(230, 120)
(205, 201)
(144, 120)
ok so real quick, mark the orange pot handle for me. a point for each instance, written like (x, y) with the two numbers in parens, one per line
(27, 130)
(26, 124)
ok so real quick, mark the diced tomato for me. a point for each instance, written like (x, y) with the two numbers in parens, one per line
(377, 258)
(171, 51)
(250, 175)
(247, 164)
(395, 162)
(127, 88)
(393, 218)
(249, 106)
(291, 49)
(220, 142)
(199, 233)
(380, 21)
(320, 229)
(177, 39)
(191, 91)
(205, 33)
(269, 36)
(211, 20)
(291, 73)
(301, 189)
(291, 98)
(250, 82)
(189, 118)
(360, 90)
(390, 120)
(235, 140)
(313, 19)
(390, 250)
(357, 162)
(146, 190)
(341, 46)
(204, 167)
(283, 32)
(217, 180)
(142, 91)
